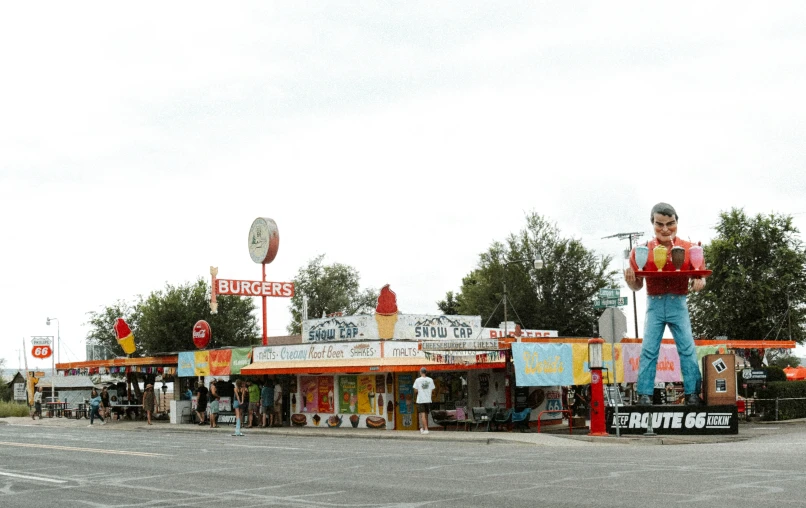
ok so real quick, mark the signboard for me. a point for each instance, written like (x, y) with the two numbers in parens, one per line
(19, 391)
(516, 331)
(609, 293)
(754, 376)
(603, 303)
(463, 345)
(305, 352)
(41, 351)
(254, 288)
(407, 327)
(201, 334)
(42, 341)
(678, 421)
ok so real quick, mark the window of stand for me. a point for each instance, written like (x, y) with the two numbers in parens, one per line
(449, 388)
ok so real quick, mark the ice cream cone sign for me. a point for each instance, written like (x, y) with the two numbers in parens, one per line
(386, 313)
(124, 335)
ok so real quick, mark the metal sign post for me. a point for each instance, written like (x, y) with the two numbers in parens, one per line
(612, 324)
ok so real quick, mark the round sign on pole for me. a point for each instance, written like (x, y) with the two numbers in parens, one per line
(201, 334)
(264, 240)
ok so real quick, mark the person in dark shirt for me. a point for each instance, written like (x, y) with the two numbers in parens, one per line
(201, 402)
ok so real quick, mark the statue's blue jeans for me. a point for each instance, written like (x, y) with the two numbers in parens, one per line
(671, 310)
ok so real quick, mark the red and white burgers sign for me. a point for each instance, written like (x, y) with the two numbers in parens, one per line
(201, 334)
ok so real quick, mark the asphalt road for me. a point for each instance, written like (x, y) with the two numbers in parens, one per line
(166, 465)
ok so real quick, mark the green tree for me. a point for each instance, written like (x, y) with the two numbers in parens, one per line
(782, 358)
(556, 297)
(329, 288)
(163, 321)
(757, 289)
(6, 391)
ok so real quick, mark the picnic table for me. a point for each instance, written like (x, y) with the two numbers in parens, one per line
(55, 408)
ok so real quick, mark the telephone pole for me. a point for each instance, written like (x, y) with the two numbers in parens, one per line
(630, 236)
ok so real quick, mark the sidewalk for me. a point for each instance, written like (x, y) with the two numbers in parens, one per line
(556, 436)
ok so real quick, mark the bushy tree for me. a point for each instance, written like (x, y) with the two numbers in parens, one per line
(163, 321)
(557, 296)
(758, 287)
(329, 288)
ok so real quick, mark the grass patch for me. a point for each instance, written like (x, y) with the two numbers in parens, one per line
(13, 409)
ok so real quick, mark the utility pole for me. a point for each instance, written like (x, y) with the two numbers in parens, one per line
(630, 236)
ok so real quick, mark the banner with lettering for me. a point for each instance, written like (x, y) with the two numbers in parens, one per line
(241, 357)
(310, 394)
(582, 374)
(305, 352)
(543, 364)
(186, 364)
(348, 394)
(202, 359)
(220, 362)
(406, 327)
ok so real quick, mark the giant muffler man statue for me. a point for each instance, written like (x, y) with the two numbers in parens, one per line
(666, 301)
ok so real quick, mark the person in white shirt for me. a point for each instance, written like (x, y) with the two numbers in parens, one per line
(423, 387)
(37, 403)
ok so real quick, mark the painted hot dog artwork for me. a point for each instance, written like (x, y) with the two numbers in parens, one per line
(386, 313)
(124, 335)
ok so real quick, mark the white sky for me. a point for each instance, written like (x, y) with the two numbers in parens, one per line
(138, 143)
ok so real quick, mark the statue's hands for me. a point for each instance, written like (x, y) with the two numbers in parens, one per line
(632, 281)
(697, 284)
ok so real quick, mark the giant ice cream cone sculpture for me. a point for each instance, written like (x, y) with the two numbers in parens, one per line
(124, 335)
(386, 313)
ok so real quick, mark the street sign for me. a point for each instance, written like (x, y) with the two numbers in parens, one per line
(603, 303)
(609, 293)
(612, 325)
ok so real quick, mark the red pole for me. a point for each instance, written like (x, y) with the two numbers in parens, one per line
(265, 330)
(597, 405)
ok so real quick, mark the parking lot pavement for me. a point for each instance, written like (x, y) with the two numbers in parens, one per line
(553, 437)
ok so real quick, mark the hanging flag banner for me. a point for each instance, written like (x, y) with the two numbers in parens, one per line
(582, 373)
(241, 357)
(202, 359)
(543, 364)
(220, 360)
(186, 364)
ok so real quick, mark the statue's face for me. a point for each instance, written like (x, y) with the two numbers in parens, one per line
(665, 227)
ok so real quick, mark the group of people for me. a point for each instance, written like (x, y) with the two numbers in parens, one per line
(101, 406)
(251, 401)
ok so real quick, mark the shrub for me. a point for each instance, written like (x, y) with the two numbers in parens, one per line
(775, 373)
(13, 409)
(791, 397)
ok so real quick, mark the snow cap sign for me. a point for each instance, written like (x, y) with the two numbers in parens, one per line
(201, 334)
(386, 313)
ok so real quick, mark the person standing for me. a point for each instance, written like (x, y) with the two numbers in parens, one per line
(95, 404)
(423, 387)
(148, 402)
(37, 403)
(666, 305)
(267, 401)
(237, 404)
(201, 402)
(278, 403)
(214, 404)
(254, 402)
(106, 407)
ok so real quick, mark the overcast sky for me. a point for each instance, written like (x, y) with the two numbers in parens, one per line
(139, 142)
